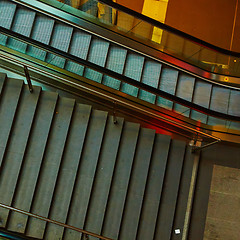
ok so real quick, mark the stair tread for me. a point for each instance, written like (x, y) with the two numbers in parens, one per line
(33, 159)
(154, 187)
(103, 178)
(68, 171)
(118, 191)
(50, 166)
(172, 181)
(136, 189)
(16, 147)
(86, 173)
(8, 107)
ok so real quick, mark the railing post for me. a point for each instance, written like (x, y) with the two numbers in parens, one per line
(28, 79)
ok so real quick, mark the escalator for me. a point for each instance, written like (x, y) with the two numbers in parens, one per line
(76, 40)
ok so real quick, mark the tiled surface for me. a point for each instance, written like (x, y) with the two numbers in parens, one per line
(223, 216)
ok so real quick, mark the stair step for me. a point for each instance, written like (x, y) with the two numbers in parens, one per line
(154, 186)
(182, 200)
(103, 177)
(16, 147)
(3, 77)
(50, 166)
(136, 187)
(9, 102)
(68, 171)
(32, 161)
(72, 164)
(85, 176)
(172, 180)
(121, 178)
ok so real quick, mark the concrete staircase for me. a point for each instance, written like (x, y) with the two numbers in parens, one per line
(70, 163)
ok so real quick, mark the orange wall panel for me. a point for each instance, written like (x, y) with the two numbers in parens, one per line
(135, 5)
(211, 21)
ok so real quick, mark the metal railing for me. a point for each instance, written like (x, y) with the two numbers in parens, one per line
(87, 233)
(118, 76)
(173, 42)
(169, 120)
(196, 133)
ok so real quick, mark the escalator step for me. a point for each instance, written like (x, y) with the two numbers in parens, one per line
(151, 75)
(22, 16)
(220, 99)
(42, 31)
(115, 62)
(234, 106)
(201, 97)
(98, 55)
(61, 38)
(133, 69)
(7, 11)
(185, 88)
(79, 47)
(168, 83)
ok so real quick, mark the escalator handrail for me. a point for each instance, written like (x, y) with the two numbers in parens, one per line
(168, 28)
(118, 76)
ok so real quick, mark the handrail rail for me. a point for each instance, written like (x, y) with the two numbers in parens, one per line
(196, 132)
(169, 28)
(118, 76)
(54, 222)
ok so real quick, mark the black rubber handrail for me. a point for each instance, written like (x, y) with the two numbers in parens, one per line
(170, 29)
(118, 76)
